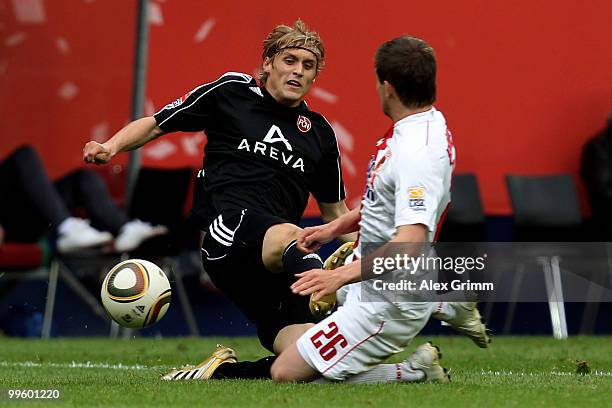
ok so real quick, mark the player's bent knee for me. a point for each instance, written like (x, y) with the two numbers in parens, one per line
(283, 234)
(290, 366)
(276, 239)
(280, 373)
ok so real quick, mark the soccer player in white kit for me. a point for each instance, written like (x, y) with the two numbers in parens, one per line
(407, 191)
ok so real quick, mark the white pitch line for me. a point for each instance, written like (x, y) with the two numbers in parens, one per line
(597, 373)
(75, 364)
(120, 366)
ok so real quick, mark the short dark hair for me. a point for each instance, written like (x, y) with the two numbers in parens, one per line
(409, 64)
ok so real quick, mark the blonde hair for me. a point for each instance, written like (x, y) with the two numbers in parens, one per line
(298, 36)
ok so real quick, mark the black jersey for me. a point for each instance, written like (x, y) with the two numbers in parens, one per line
(260, 154)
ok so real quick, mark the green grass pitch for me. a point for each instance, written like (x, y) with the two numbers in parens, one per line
(514, 372)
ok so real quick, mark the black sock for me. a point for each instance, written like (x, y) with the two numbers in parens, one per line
(296, 261)
(246, 370)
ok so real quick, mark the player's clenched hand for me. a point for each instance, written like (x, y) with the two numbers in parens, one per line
(317, 280)
(94, 152)
(313, 238)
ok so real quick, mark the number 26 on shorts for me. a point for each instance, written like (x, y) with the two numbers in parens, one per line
(328, 349)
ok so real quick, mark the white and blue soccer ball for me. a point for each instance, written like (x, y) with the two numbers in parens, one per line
(136, 293)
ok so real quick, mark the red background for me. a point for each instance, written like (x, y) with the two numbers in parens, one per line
(522, 84)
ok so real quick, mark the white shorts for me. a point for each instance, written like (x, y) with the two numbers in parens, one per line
(361, 335)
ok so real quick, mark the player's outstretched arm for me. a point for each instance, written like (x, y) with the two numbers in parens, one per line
(130, 137)
(312, 238)
(324, 282)
(333, 211)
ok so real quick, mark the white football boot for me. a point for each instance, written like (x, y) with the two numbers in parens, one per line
(468, 321)
(426, 358)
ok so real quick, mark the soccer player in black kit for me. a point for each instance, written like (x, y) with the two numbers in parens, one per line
(266, 151)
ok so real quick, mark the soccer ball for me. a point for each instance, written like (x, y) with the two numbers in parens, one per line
(136, 293)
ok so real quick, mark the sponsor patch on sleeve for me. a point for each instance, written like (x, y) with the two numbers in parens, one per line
(178, 102)
(416, 198)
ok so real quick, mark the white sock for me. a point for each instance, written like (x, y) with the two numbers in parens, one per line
(382, 373)
(444, 311)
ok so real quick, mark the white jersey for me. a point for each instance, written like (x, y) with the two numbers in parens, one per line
(408, 179)
(408, 183)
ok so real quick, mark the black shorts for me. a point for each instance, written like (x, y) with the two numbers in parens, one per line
(231, 255)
